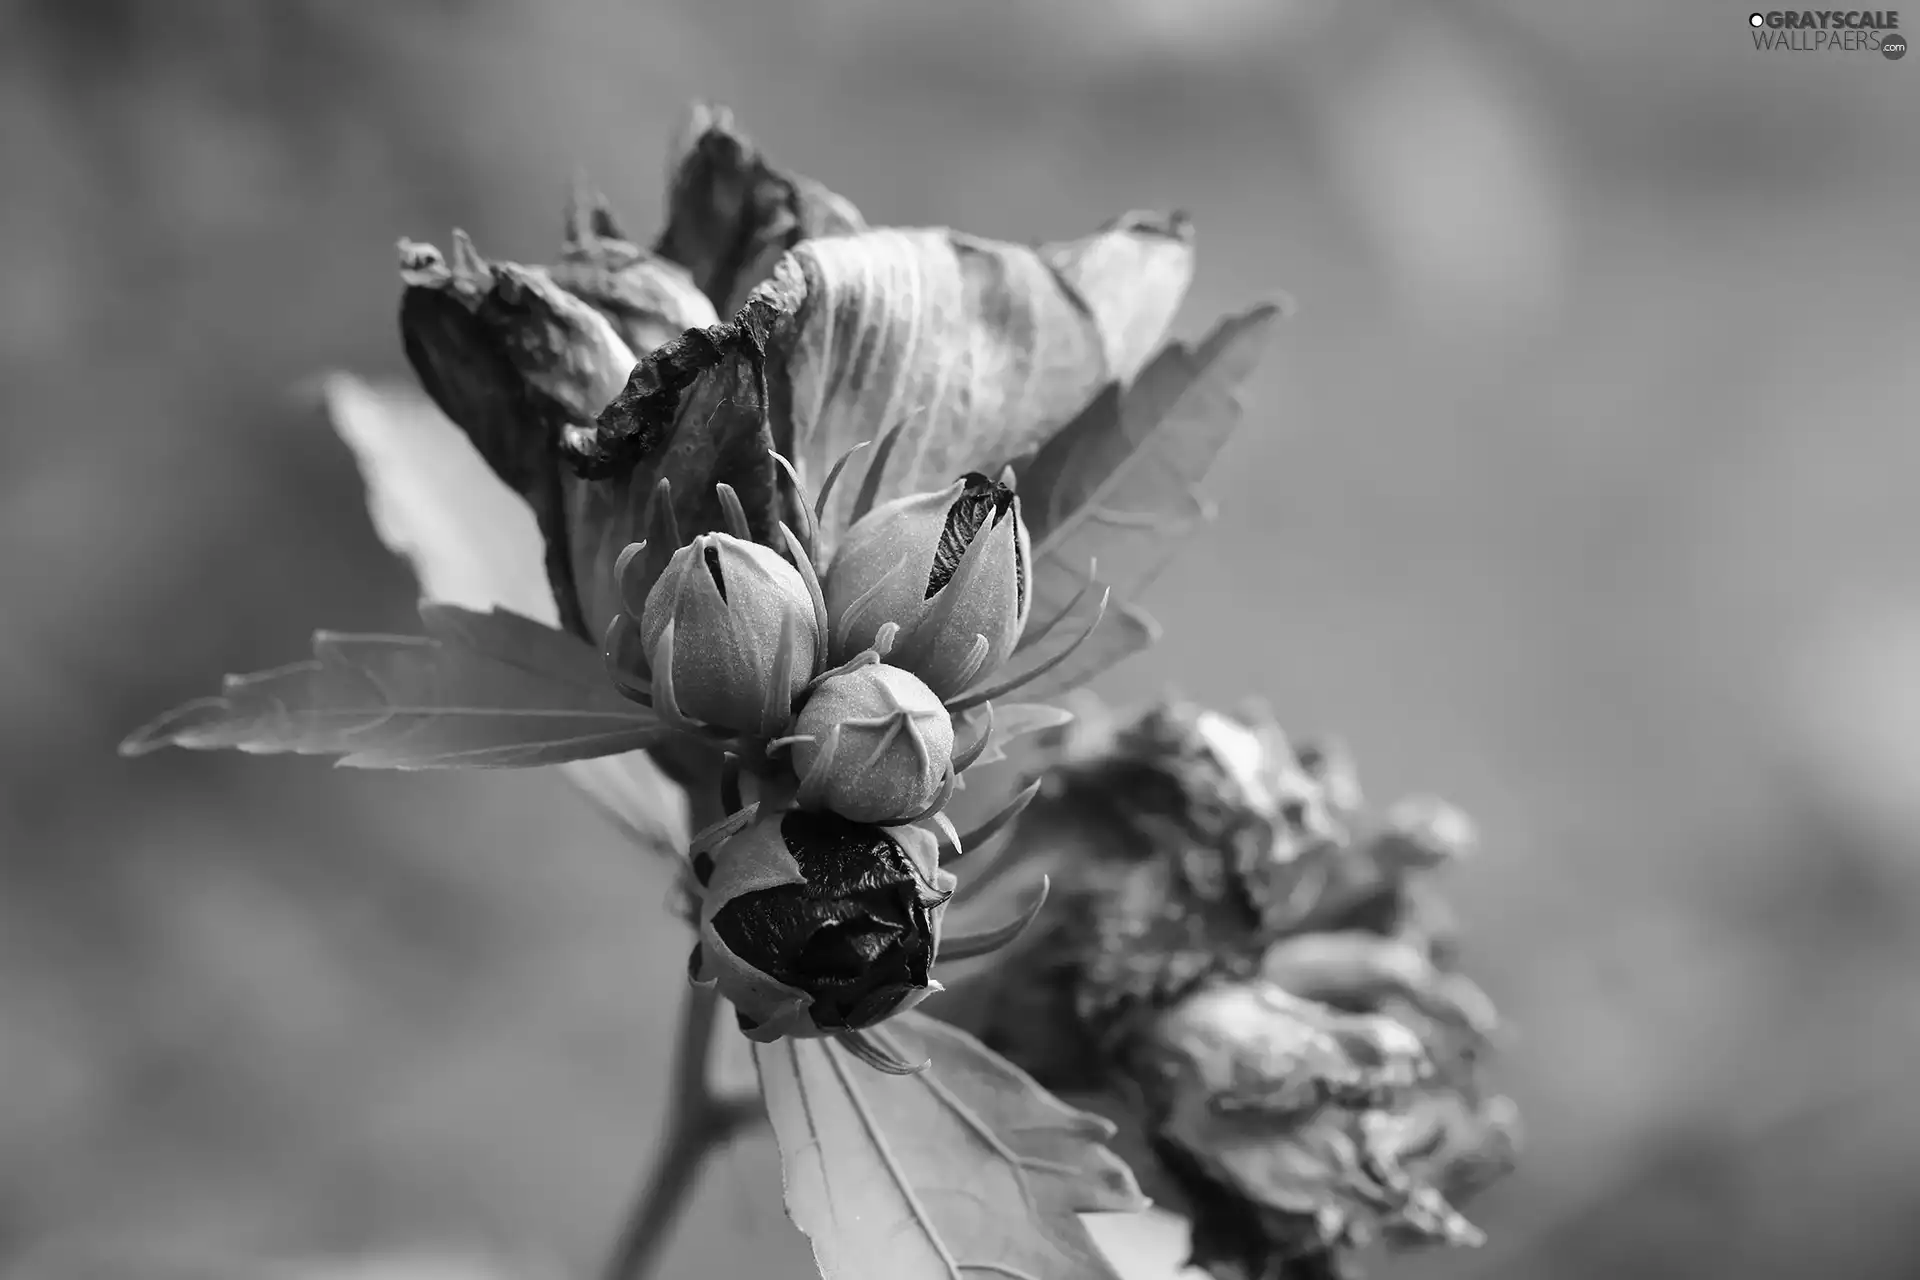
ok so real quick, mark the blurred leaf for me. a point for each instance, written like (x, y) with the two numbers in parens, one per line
(1108, 487)
(474, 1265)
(635, 796)
(730, 214)
(969, 1168)
(1010, 721)
(478, 691)
(436, 503)
(1125, 630)
(471, 542)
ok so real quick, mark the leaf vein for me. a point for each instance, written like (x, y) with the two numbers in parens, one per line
(884, 1149)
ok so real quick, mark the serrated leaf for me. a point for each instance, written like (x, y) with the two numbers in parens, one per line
(970, 352)
(969, 1169)
(1116, 483)
(477, 691)
(472, 542)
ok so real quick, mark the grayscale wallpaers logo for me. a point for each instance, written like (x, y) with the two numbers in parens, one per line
(1835, 30)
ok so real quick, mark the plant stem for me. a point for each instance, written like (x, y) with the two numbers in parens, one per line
(698, 1124)
(698, 1121)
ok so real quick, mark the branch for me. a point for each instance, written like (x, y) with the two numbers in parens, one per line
(698, 1124)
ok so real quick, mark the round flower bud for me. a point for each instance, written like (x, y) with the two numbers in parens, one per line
(875, 745)
(951, 569)
(730, 635)
(812, 924)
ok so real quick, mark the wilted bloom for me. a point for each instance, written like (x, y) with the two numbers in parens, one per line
(730, 635)
(648, 300)
(518, 355)
(875, 745)
(1258, 967)
(951, 569)
(812, 924)
(732, 213)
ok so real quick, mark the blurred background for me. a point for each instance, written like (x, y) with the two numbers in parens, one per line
(1577, 492)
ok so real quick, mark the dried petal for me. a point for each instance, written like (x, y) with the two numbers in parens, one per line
(974, 350)
(512, 359)
(1133, 275)
(648, 299)
(693, 415)
(731, 214)
(1188, 850)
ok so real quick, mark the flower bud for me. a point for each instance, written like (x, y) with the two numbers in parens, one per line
(730, 635)
(876, 745)
(813, 924)
(951, 569)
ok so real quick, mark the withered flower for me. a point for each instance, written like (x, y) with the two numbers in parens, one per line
(813, 924)
(1252, 973)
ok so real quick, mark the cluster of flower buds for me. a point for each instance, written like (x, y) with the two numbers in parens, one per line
(850, 695)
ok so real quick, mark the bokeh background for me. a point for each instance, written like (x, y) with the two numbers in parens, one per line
(1580, 492)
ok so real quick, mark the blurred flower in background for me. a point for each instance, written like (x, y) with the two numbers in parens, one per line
(1580, 497)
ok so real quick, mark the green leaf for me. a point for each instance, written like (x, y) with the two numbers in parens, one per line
(1114, 484)
(961, 353)
(478, 691)
(472, 542)
(969, 1169)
